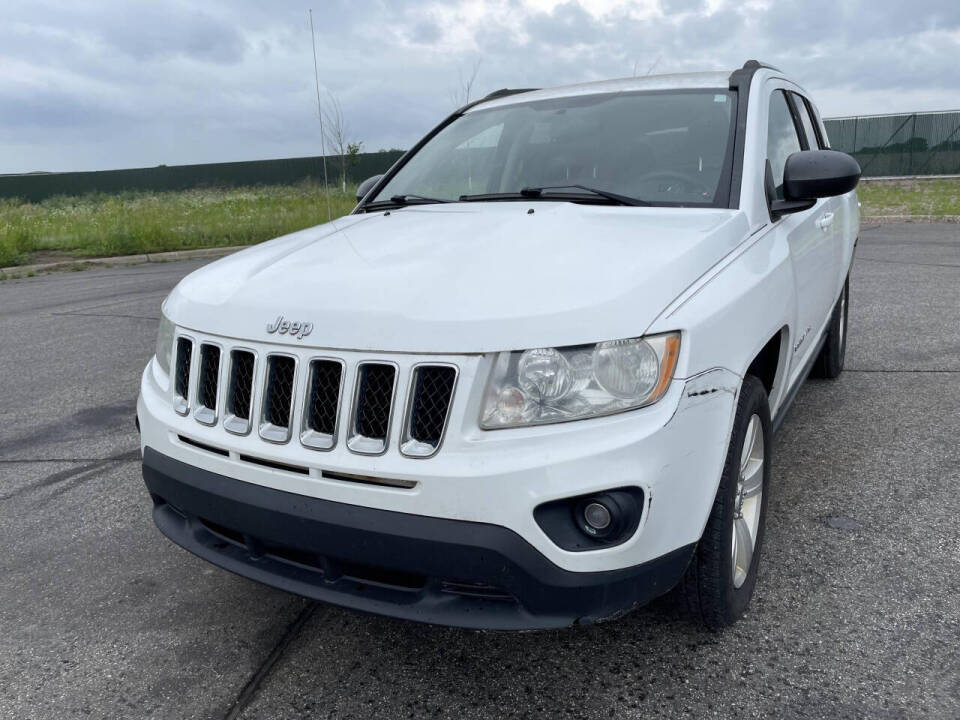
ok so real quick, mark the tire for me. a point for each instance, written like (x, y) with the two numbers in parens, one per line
(716, 589)
(829, 363)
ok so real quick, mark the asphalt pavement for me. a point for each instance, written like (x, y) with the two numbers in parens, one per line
(857, 610)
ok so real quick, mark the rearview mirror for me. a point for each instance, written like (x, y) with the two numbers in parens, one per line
(366, 186)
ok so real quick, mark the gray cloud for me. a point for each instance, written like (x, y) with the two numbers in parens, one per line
(109, 83)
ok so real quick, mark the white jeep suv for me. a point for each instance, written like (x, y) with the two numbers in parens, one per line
(533, 379)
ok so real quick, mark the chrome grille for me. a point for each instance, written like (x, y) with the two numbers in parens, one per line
(239, 392)
(372, 405)
(432, 390)
(181, 379)
(254, 387)
(208, 379)
(322, 404)
(278, 398)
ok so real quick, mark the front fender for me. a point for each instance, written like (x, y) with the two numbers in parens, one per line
(732, 312)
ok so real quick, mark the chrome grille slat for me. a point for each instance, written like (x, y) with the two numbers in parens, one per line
(322, 404)
(239, 402)
(431, 394)
(181, 381)
(372, 408)
(208, 381)
(278, 390)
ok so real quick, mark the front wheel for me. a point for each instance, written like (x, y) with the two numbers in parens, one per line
(719, 583)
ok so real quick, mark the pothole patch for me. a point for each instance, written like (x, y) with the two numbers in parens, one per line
(842, 522)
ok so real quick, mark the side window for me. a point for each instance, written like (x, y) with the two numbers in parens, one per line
(808, 123)
(818, 125)
(782, 138)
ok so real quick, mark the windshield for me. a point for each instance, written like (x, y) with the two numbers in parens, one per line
(664, 148)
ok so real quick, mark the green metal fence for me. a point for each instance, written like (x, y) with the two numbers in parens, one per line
(900, 145)
(35, 187)
(884, 145)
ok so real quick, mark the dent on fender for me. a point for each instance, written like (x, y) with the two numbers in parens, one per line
(706, 387)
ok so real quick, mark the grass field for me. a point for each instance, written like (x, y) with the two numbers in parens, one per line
(137, 222)
(130, 223)
(910, 197)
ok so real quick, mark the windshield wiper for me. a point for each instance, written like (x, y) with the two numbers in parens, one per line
(616, 197)
(402, 200)
(410, 199)
(536, 193)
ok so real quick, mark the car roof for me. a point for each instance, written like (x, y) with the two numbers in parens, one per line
(676, 81)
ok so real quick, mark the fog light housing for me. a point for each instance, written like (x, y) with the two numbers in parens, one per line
(590, 522)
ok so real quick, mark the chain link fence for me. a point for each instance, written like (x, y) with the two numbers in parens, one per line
(900, 145)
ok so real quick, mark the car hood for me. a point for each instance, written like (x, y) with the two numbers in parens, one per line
(462, 278)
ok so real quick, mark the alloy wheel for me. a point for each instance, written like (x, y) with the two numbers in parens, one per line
(747, 504)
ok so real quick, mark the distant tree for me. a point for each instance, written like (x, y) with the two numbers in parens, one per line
(335, 128)
(353, 153)
(461, 94)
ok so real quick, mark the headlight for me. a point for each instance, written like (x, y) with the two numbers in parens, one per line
(550, 385)
(165, 343)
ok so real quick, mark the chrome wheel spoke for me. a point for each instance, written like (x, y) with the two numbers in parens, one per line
(749, 441)
(748, 501)
(742, 551)
(753, 480)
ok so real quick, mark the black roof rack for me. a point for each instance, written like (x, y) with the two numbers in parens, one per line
(502, 92)
(756, 65)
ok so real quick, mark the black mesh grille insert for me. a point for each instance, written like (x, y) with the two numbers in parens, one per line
(374, 396)
(241, 384)
(209, 376)
(432, 390)
(279, 394)
(324, 396)
(182, 377)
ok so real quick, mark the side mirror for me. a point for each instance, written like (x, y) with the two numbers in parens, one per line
(812, 174)
(366, 186)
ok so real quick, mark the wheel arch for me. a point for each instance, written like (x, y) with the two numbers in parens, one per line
(769, 365)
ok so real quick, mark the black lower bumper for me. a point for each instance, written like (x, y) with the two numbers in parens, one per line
(433, 570)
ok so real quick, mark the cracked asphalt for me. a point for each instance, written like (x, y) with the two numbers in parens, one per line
(857, 611)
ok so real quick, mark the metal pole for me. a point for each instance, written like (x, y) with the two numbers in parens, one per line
(323, 144)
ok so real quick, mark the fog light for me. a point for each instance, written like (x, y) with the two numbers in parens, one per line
(599, 516)
(596, 516)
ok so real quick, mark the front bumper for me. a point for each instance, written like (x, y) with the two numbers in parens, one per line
(672, 450)
(435, 570)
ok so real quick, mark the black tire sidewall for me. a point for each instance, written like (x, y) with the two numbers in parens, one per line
(738, 598)
(830, 362)
(710, 590)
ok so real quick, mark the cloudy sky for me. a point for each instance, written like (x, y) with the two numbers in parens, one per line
(104, 84)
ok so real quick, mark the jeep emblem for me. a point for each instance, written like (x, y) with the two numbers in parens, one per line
(294, 328)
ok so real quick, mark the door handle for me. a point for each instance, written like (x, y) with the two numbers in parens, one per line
(825, 221)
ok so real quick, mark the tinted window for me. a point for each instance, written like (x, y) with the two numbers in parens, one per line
(815, 117)
(782, 138)
(806, 121)
(661, 147)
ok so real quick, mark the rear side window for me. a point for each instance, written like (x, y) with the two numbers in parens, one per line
(782, 138)
(809, 124)
(818, 125)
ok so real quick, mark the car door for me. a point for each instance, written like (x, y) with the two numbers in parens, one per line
(831, 220)
(808, 233)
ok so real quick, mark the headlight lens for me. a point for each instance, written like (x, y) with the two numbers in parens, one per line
(165, 343)
(549, 385)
